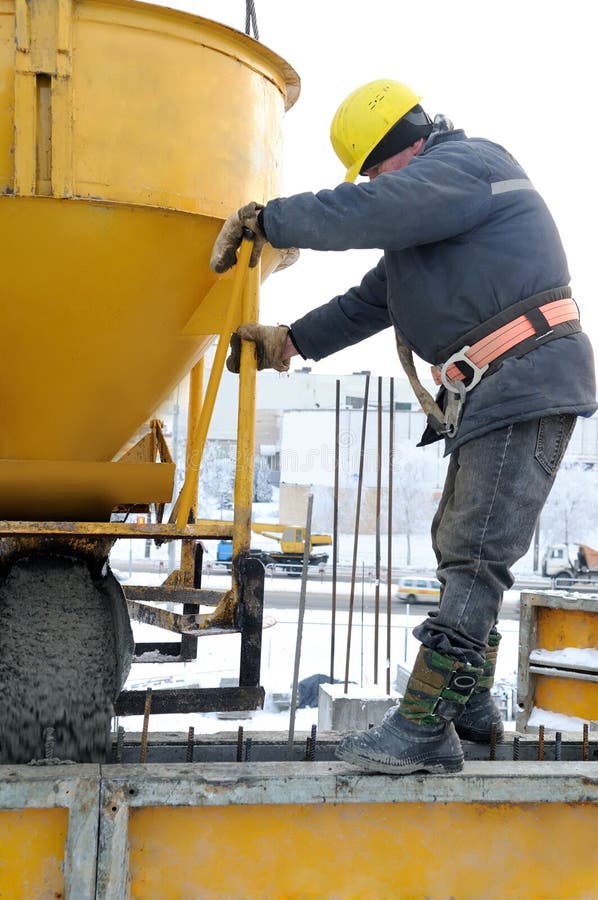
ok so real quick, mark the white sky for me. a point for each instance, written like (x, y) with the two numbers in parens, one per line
(520, 73)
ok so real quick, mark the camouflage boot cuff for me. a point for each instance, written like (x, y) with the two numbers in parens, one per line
(487, 679)
(439, 688)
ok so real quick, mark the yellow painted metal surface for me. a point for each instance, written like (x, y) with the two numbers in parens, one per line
(31, 853)
(243, 495)
(367, 851)
(127, 133)
(570, 696)
(73, 490)
(188, 493)
(560, 628)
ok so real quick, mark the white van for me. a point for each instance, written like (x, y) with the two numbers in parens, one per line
(413, 588)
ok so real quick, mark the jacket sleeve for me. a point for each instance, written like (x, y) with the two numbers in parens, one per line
(345, 320)
(436, 197)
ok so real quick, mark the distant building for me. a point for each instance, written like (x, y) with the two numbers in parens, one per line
(295, 433)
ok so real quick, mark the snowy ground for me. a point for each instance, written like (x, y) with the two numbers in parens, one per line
(218, 658)
(218, 655)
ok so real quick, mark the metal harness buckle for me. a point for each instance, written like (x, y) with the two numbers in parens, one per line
(454, 408)
(460, 357)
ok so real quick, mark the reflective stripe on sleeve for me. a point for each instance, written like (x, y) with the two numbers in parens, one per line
(512, 184)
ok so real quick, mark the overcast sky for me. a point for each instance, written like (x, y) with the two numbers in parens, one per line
(520, 73)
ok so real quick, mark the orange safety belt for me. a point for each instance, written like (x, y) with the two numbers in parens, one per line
(482, 353)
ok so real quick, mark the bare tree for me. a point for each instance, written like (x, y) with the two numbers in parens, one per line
(217, 477)
(262, 486)
(571, 512)
(413, 495)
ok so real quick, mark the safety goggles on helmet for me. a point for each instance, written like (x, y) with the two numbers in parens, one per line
(414, 125)
(366, 116)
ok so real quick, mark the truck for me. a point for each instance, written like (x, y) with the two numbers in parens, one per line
(570, 562)
(291, 539)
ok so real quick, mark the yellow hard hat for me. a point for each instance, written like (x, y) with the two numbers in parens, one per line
(365, 117)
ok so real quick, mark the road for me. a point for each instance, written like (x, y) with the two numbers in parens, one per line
(321, 600)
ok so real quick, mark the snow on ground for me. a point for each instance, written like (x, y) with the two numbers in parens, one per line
(571, 657)
(218, 656)
(554, 721)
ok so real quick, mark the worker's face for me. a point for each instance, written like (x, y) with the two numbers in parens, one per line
(396, 162)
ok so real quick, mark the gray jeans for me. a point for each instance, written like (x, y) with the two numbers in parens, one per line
(495, 489)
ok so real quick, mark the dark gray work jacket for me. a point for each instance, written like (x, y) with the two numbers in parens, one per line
(465, 236)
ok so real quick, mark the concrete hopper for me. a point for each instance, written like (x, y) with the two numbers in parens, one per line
(128, 132)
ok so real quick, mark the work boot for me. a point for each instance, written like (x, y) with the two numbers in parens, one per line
(418, 736)
(481, 714)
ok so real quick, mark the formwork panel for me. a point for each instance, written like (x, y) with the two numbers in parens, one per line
(365, 850)
(496, 831)
(566, 682)
(568, 696)
(48, 831)
(559, 628)
(32, 853)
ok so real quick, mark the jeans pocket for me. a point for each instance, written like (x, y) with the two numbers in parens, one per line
(554, 433)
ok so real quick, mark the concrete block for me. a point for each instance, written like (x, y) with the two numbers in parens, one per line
(352, 711)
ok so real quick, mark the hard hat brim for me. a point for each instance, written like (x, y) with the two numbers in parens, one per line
(352, 172)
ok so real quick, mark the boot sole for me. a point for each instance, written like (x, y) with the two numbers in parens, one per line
(445, 766)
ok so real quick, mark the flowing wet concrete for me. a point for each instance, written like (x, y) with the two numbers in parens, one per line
(65, 651)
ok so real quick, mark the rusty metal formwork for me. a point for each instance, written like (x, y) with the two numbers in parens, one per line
(313, 828)
(554, 674)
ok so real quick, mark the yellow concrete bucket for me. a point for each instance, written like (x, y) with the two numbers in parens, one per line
(128, 132)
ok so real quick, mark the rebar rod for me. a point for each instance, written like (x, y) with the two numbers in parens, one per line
(584, 746)
(300, 617)
(356, 532)
(391, 413)
(49, 742)
(190, 737)
(146, 716)
(540, 742)
(335, 528)
(120, 743)
(378, 500)
(493, 740)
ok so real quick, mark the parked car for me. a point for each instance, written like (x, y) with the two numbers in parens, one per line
(414, 588)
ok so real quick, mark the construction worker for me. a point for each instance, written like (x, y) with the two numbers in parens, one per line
(474, 280)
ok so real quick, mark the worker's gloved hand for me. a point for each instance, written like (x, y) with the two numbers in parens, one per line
(224, 252)
(288, 258)
(270, 344)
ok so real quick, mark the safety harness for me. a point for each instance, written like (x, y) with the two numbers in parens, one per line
(513, 332)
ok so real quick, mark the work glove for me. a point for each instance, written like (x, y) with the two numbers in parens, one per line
(224, 252)
(270, 342)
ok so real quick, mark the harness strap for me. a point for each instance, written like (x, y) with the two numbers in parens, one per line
(536, 326)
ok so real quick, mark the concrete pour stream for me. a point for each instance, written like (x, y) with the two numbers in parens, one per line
(66, 647)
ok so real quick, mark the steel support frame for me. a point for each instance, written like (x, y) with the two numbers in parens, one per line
(248, 620)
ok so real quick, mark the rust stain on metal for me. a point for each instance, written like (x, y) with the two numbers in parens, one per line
(224, 616)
